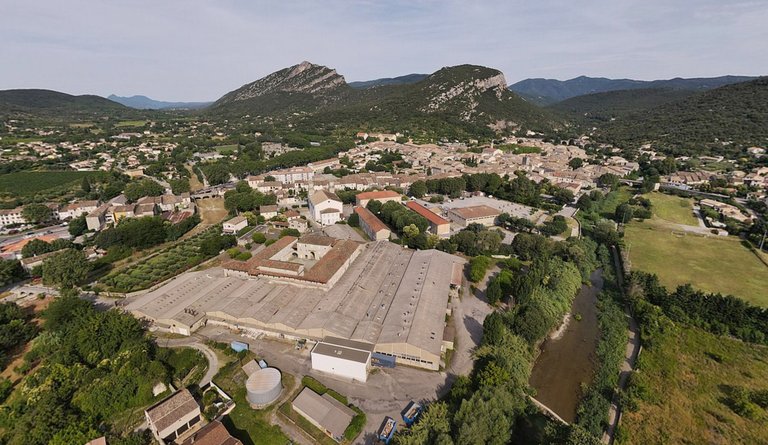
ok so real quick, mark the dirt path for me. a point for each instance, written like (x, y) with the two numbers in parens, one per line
(630, 358)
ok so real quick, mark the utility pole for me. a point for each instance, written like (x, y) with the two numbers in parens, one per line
(762, 242)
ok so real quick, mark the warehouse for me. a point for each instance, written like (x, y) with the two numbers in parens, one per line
(437, 224)
(389, 296)
(371, 225)
(482, 214)
(328, 414)
(343, 358)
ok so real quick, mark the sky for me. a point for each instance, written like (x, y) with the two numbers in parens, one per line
(196, 50)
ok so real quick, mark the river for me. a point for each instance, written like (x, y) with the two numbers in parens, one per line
(567, 360)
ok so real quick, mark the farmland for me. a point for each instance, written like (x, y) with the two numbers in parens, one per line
(681, 392)
(712, 264)
(157, 268)
(28, 183)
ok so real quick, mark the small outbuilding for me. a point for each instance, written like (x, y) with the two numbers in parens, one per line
(348, 359)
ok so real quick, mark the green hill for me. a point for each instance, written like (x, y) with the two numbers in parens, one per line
(34, 102)
(602, 107)
(720, 121)
(452, 102)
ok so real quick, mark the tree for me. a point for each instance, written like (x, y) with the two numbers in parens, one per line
(259, 238)
(493, 292)
(85, 185)
(78, 226)
(575, 163)
(418, 189)
(608, 180)
(66, 269)
(10, 272)
(354, 220)
(141, 188)
(410, 231)
(179, 186)
(36, 213)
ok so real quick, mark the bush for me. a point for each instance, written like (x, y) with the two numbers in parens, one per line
(478, 266)
(259, 238)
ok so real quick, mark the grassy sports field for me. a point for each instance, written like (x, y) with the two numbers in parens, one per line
(713, 264)
(673, 208)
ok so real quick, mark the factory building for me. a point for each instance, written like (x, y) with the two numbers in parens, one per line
(371, 225)
(482, 214)
(379, 293)
(362, 199)
(437, 224)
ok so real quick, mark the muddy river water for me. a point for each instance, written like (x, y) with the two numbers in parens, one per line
(566, 361)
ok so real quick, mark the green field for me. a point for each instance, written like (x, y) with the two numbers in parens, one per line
(713, 264)
(224, 149)
(122, 124)
(682, 391)
(673, 208)
(31, 182)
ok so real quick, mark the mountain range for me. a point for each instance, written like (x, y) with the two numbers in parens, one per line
(459, 102)
(549, 91)
(145, 103)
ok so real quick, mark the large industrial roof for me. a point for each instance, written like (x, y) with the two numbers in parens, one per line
(388, 294)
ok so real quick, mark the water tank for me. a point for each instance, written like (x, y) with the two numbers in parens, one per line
(263, 386)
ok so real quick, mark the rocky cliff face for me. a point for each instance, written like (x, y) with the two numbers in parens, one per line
(302, 78)
(459, 88)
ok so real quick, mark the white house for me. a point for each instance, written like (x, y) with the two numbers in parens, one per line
(235, 225)
(325, 207)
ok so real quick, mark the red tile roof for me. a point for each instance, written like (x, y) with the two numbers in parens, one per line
(431, 216)
(379, 194)
(370, 220)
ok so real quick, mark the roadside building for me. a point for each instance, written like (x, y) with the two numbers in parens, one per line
(328, 414)
(173, 416)
(371, 225)
(481, 214)
(325, 207)
(437, 224)
(382, 196)
(235, 225)
(11, 216)
(348, 359)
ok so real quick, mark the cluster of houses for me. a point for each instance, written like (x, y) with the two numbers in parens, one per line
(174, 208)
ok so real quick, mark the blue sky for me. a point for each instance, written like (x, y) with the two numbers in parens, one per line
(199, 50)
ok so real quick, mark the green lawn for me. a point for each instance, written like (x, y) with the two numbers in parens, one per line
(673, 208)
(31, 182)
(713, 264)
(683, 382)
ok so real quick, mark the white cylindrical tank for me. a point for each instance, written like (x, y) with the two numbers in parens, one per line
(263, 386)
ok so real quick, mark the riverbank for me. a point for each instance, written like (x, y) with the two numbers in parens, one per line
(566, 361)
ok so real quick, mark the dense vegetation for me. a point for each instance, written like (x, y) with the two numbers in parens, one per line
(91, 369)
(700, 123)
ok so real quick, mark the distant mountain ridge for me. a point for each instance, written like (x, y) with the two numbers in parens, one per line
(145, 103)
(55, 103)
(399, 80)
(549, 91)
